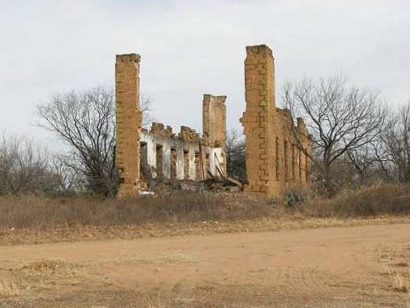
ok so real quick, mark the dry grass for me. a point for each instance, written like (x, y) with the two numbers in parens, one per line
(396, 259)
(44, 266)
(154, 230)
(399, 278)
(40, 276)
(401, 282)
(399, 273)
(32, 219)
(8, 289)
(36, 212)
(373, 201)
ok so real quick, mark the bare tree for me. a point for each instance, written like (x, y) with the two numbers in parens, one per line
(85, 122)
(371, 162)
(146, 110)
(69, 180)
(235, 154)
(397, 141)
(340, 119)
(23, 167)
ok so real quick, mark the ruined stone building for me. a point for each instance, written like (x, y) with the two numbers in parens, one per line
(276, 148)
(159, 152)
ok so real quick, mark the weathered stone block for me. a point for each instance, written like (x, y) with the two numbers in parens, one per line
(270, 164)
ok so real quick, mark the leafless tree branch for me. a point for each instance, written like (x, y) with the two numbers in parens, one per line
(340, 119)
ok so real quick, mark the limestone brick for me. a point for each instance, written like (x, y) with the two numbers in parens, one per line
(275, 149)
(128, 118)
(214, 119)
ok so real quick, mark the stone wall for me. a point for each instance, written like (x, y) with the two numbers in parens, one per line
(214, 119)
(159, 153)
(128, 123)
(276, 149)
(184, 156)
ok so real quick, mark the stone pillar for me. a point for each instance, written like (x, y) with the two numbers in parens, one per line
(257, 120)
(192, 165)
(166, 161)
(180, 162)
(214, 119)
(128, 123)
(152, 154)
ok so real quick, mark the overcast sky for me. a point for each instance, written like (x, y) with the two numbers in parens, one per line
(189, 48)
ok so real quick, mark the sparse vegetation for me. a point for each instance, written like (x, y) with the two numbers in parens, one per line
(285, 193)
(235, 155)
(376, 200)
(8, 290)
(24, 168)
(184, 207)
(40, 212)
(341, 119)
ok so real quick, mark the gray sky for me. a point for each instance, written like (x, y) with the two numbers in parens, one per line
(193, 47)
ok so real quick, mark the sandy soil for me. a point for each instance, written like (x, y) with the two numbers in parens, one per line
(363, 266)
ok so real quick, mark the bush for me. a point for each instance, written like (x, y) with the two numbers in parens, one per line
(386, 199)
(295, 198)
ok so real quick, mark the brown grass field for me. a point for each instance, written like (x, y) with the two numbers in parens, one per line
(206, 251)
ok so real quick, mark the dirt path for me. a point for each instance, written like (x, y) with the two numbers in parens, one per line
(337, 267)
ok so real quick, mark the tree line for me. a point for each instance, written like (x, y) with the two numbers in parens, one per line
(357, 140)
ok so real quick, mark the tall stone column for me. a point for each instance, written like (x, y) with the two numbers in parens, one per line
(214, 119)
(214, 124)
(128, 123)
(257, 119)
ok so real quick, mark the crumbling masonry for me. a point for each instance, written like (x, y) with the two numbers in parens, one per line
(159, 153)
(277, 151)
(128, 123)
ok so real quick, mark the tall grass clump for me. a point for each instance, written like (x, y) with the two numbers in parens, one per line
(41, 212)
(372, 201)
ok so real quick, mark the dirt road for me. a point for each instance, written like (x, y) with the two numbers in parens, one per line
(329, 267)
